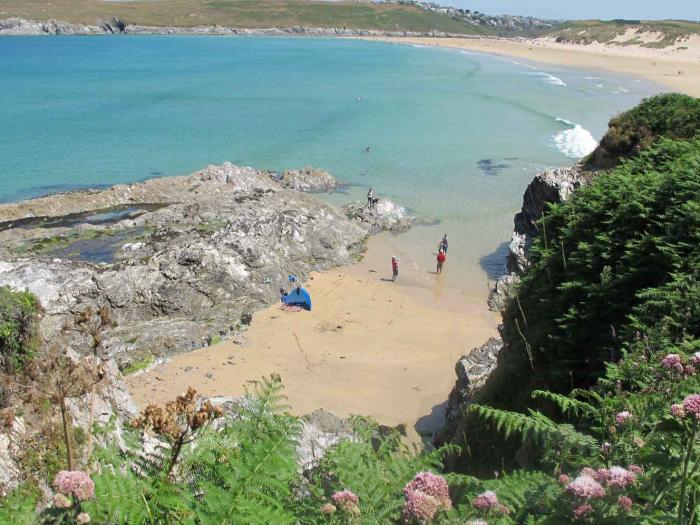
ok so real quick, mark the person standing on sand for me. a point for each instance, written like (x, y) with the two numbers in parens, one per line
(394, 267)
(441, 258)
(370, 196)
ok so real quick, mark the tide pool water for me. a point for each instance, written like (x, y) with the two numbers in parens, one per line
(452, 135)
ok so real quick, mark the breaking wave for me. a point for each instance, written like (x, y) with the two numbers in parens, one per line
(575, 142)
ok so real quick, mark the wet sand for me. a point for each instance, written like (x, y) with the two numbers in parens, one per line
(369, 347)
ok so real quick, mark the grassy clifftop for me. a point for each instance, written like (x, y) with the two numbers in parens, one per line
(652, 34)
(240, 13)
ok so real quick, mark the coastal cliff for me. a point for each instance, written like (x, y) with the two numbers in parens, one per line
(20, 26)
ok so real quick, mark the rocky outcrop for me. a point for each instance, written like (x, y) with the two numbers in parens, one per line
(20, 26)
(384, 215)
(308, 179)
(548, 187)
(472, 371)
(320, 431)
(193, 255)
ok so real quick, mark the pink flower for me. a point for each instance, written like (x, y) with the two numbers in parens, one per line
(75, 482)
(582, 510)
(622, 417)
(431, 484)
(564, 479)
(677, 411)
(585, 487)
(588, 471)
(346, 501)
(486, 501)
(83, 518)
(426, 495)
(420, 506)
(695, 359)
(625, 503)
(691, 404)
(61, 502)
(328, 509)
(689, 370)
(620, 478)
(671, 362)
(636, 469)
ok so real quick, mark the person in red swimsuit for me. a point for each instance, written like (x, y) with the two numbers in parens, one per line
(394, 267)
(441, 258)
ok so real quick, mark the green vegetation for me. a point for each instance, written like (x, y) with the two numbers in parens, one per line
(54, 242)
(139, 364)
(213, 226)
(18, 338)
(240, 13)
(643, 471)
(611, 32)
(672, 116)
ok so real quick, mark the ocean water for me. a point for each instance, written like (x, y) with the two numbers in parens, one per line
(453, 135)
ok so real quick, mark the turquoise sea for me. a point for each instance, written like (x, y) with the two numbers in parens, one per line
(453, 135)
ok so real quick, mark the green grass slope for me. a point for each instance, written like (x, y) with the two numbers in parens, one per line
(240, 14)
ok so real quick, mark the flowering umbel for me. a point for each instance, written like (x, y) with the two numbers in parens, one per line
(74, 483)
(424, 496)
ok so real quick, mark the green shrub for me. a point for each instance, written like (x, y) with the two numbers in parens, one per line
(18, 337)
(672, 116)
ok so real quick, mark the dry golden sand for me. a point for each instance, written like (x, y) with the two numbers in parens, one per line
(369, 347)
(677, 68)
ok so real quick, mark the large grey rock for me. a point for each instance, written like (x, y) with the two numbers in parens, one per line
(384, 215)
(219, 245)
(472, 372)
(309, 179)
(548, 187)
(320, 431)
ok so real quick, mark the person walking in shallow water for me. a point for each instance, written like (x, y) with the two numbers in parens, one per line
(370, 197)
(394, 267)
(443, 244)
(441, 258)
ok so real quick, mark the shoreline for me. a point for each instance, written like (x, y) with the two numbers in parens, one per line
(680, 72)
(359, 351)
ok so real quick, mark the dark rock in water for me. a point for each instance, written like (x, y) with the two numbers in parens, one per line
(488, 167)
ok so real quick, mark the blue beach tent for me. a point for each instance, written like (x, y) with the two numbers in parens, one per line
(297, 297)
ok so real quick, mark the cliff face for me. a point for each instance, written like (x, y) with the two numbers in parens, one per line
(476, 368)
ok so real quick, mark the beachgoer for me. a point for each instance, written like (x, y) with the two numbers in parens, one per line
(444, 243)
(441, 258)
(370, 197)
(394, 267)
(367, 149)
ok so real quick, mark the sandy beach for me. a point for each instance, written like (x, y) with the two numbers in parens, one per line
(369, 347)
(676, 67)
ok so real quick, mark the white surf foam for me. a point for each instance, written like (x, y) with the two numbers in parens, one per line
(575, 142)
(551, 79)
